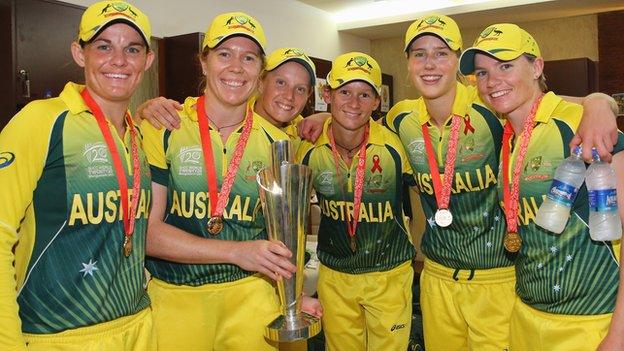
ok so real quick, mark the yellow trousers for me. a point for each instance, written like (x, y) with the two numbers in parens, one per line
(369, 311)
(128, 333)
(466, 310)
(535, 330)
(227, 316)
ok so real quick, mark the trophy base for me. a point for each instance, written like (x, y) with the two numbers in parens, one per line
(302, 326)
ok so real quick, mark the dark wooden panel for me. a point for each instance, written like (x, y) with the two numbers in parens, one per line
(611, 51)
(7, 97)
(322, 69)
(182, 71)
(44, 32)
(572, 77)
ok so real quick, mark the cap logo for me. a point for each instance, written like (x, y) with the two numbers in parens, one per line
(361, 64)
(293, 52)
(489, 33)
(241, 22)
(430, 22)
(119, 8)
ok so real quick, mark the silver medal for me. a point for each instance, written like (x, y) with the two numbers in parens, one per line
(443, 217)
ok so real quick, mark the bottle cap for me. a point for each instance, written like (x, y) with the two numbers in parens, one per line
(578, 150)
(595, 155)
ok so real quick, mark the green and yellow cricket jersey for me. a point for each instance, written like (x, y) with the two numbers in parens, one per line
(382, 240)
(291, 131)
(177, 161)
(565, 273)
(474, 239)
(61, 221)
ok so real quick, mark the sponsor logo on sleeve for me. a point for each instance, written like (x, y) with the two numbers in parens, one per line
(6, 159)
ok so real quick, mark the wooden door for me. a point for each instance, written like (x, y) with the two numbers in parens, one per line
(44, 31)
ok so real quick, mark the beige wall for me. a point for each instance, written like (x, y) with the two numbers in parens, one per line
(286, 23)
(559, 39)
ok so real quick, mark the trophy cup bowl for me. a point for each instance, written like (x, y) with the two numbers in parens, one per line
(285, 189)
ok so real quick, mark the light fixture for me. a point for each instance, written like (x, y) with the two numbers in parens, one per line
(378, 12)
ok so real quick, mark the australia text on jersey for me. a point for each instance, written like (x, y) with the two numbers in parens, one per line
(93, 208)
(482, 178)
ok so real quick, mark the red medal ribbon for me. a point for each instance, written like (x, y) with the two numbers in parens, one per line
(376, 166)
(220, 199)
(359, 181)
(443, 191)
(510, 196)
(468, 127)
(128, 214)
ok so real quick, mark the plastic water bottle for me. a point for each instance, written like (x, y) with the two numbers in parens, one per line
(554, 212)
(604, 219)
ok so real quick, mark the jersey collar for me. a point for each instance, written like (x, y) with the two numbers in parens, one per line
(375, 134)
(464, 97)
(188, 108)
(72, 98)
(547, 106)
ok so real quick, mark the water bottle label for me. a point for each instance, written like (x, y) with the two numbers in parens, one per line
(603, 200)
(562, 193)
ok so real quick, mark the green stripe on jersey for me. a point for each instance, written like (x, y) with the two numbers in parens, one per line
(382, 240)
(565, 273)
(188, 204)
(474, 239)
(77, 274)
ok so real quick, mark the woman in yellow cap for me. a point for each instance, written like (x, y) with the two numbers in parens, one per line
(284, 88)
(358, 169)
(467, 285)
(74, 218)
(567, 284)
(207, 240)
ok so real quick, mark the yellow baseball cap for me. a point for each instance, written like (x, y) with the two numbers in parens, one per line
(354, 66)
(439, 25)
(283, 55)
(97, 16)
(230, 24)
(503, 41)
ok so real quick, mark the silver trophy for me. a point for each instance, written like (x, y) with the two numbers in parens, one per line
(285, 189)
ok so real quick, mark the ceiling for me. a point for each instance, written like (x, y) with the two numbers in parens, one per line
(476, 15)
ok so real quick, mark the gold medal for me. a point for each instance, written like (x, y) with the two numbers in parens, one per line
(127, 246)
(352, 244)
(215, 225)
(512, 242)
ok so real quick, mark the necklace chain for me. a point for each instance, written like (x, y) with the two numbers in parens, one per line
(348, 150)
(223, 127)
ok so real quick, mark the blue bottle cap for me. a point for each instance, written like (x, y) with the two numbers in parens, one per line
(578, 150)
(595, 155)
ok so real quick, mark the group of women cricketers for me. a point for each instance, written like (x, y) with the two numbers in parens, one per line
(94, 199)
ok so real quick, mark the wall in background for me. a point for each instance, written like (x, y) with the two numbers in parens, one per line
(286, 23)
(148, 88)
(563, 38)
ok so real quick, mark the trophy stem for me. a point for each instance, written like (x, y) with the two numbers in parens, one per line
(285, 190)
